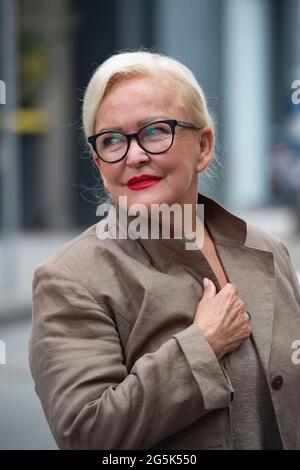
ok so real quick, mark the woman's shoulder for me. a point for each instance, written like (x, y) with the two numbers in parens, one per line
(79, 242)
(263, 240)
(79, 253)
(283, 266)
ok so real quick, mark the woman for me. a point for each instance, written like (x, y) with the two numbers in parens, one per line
(143, 343)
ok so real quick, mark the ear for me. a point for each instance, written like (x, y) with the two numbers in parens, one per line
(97, 161)
(205, 147)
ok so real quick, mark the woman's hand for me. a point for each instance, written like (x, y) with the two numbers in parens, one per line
(222, 318)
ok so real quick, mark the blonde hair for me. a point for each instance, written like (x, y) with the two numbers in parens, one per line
(166, 70)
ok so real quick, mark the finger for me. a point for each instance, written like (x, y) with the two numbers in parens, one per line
(209, 288)
(231, 287)
(248, 314)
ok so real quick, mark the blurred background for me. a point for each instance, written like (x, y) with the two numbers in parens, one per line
(246, 55)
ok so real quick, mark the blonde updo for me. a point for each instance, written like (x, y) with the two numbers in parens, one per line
(165, 70)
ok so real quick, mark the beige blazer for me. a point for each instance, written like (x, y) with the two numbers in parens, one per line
(115, 356)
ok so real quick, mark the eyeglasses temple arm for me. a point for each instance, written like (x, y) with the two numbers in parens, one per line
(187, 124)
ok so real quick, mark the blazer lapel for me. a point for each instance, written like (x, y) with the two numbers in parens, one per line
(250, 268)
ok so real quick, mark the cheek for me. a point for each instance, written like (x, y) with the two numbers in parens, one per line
(179, 175)
(111, 174)
(184, 157)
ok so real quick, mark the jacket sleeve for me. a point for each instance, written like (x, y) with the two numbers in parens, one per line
(90, 399)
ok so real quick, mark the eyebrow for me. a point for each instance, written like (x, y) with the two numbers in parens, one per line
(140, 123)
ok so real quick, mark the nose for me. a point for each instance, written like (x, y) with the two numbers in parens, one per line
(136, 155)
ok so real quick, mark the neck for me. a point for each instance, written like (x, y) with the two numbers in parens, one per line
(188, 224)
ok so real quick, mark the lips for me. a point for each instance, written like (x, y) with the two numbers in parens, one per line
(142, 178)
(142, 182)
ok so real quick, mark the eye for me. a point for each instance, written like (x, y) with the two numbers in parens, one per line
(111, 140)
(156, 130)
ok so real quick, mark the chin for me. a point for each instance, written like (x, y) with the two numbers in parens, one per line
(148, 200)
(149, 196)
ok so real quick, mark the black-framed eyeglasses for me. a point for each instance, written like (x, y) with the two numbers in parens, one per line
(156, 137)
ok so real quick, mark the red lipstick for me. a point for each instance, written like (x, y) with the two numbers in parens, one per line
(142, 181)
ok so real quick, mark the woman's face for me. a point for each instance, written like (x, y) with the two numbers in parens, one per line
(127, 107)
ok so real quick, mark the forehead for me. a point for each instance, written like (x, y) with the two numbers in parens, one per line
(133, 100)
(144, 90)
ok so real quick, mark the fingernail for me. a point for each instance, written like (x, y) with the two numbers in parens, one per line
(205, 281)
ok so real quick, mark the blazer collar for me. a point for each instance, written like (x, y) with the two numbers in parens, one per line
(222, 224)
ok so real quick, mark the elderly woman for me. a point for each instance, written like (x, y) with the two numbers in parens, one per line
(141, 342)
